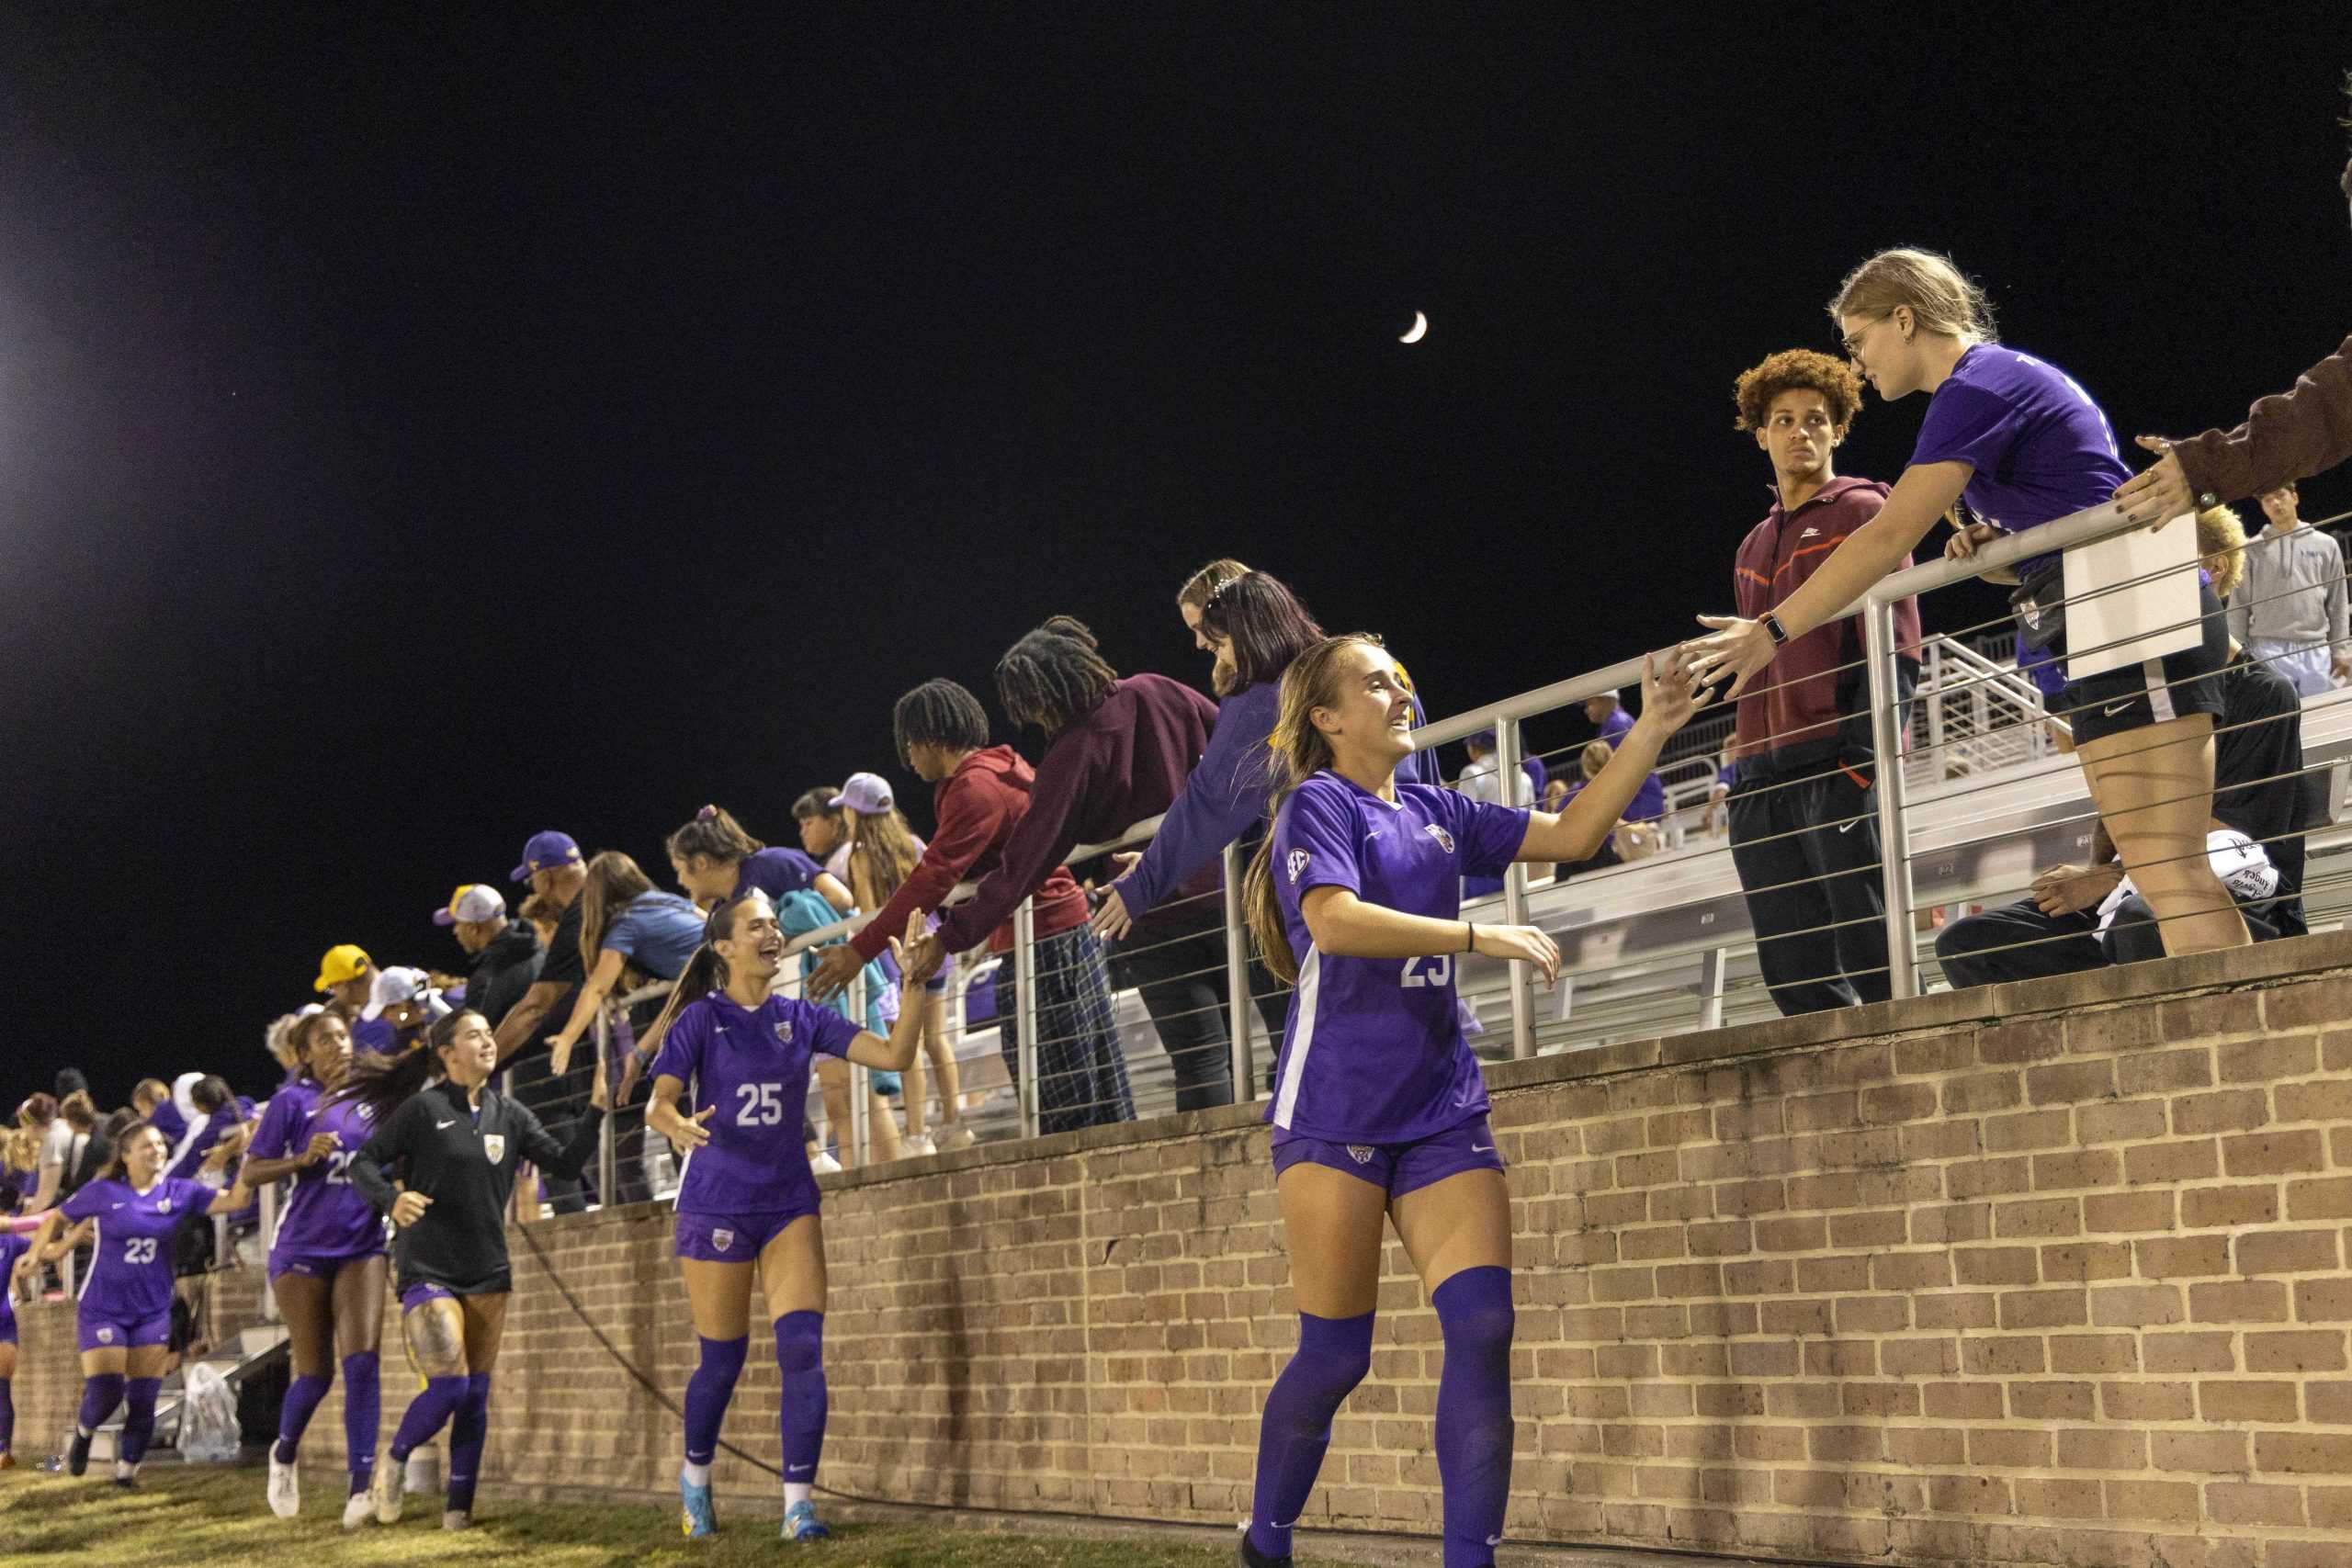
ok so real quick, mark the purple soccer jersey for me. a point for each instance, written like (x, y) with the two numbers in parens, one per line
(775, 872)
(13, 1246)
(1373, 1052)
(130, 1250)
(754, 1066)
(2041, 447)
(326, 1216)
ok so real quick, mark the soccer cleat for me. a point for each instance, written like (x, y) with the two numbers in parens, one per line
(357, 1510)
(456, 1520)
(824, 1164)
(384, 1491)
(77, 1453)
(285, 1489)
(1248, 1556)
(126, 1476)
(7, 1460)
(698, 1518)
(800, 1523)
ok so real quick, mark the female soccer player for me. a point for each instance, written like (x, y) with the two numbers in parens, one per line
(1379, 1109)
(16, 1249)
(125, 1315)
(455, 1145)
(2023, 444)
(746, 1199)
(327, 1266)
(714, 857)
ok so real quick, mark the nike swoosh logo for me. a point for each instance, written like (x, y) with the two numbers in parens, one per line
(1494, 1540)
(2111, 709)
(439, 1125)
(1850, 827)
(1483, 1149)
(1283, 1527)
(804, 1468)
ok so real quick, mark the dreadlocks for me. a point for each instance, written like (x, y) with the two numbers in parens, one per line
(1052, 676)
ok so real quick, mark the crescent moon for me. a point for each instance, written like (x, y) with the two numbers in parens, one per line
(1420, 328)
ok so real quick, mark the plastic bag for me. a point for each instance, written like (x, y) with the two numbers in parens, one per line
(208, 1432)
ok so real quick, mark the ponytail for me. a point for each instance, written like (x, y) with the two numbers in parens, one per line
(1300, 752)
(705, 972)
(112, 1170)
(384, 1083)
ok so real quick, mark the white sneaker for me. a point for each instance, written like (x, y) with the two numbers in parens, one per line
(957, 1137)
(456, 1520)
(357, 1510)
(285, 1489)
(915, 1148)
(384, 1491)
(824, 1165)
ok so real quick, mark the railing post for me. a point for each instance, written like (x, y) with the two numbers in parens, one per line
(1025, 1011)
(1893, 834)
(1516, 975)
(65, 1274)
(268, 1196)
(860, 1141)
(1237, 978)
(606, 1167)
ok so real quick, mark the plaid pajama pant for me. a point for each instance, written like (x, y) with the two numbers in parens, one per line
(1082, 1073)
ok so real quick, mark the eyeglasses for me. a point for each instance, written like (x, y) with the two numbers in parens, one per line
(1853, 344)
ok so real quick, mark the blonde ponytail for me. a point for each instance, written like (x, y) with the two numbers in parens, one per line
(1300, 752)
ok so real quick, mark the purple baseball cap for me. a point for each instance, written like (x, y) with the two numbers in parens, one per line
(545, 850)
(868, 794)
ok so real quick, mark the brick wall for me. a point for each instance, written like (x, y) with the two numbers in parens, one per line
(2051, 1274)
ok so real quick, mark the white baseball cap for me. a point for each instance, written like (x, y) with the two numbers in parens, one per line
(473, 901)
(868, 794)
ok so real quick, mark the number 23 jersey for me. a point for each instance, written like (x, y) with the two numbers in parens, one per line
(1373, 1052)
(750, 1067)
(130, 1264)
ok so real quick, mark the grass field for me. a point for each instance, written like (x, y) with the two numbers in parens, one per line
(182, 1517)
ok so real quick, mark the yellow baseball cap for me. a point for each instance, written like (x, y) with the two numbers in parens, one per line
(346, 962)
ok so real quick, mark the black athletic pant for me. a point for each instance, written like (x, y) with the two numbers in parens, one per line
(556, 1102)
(2018, 941)
(1182, 982)
(1805, 842)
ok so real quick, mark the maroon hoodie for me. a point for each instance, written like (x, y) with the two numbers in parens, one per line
(977, 808)
(1121, 763)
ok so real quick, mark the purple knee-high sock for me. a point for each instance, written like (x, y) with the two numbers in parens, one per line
(469, 1430)
(1474, 1431)
(1333, 1355)
(302, 1396)
(100, 1394)
(425, 1413)
(800, 1356)
(707, 1393)
(139, 1422)
(363, 1404)
(7, 1417)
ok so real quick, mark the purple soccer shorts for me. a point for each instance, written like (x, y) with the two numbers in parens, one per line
(1396, 1169)
(736, 1238)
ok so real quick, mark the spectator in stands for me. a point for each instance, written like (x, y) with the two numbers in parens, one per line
(797, 915)
(883, 852)
(19, 1169)
(404, 998)
(347, 975)
(2059, 928)
(219, 1121)
(2024, 445)
(51, 1134)
(981, 795)
(1478, 781)
(824, 830)
(626, 923)
(543, 915)
(151, 1101)
(1804, 800)
(714, 859)
(1718, 816)
(2289, 611)
(1608, 718)
(85, 1151)
(1118, 752)
(506, 956)
(557, 873)
(2290, 436)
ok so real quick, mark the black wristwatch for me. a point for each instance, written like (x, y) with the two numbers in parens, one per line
(1773, 628)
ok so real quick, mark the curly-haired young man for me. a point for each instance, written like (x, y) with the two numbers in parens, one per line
(1804, 830)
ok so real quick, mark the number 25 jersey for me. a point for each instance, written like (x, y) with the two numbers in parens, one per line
(1372, 1051)
(750, 1067)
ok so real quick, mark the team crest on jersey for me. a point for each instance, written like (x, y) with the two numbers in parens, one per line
(367, 1112)
(1445, 839)
(1359, 1152)
(493, 1144)
(722, 1240)
(162, 1205)
(106, 1336)
(784, 1031)
(1297, 864)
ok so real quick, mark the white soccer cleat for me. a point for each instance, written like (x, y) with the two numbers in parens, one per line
(456, 1520)
(384, 1491)
(824, 1165)
(357, 1510)
(285, 1489)
(916, 1148)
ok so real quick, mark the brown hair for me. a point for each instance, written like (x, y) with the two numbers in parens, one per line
(1794, 370)
(705, 972)
(541, 909)
(81, 1112)
(1265, 622)
(298, 1038)
(120, 1141)
(1208, 579)
(385, 1083)
(881, 855)
(156, 1087)
(613, 882)
(715, 834)
(2220, 533)
(1938, 294)
(1300, 752)
(38, 1109)
(818, 802)
(1595, 756)
(1053, 677)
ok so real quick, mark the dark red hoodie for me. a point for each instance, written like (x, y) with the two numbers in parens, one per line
(977, 807)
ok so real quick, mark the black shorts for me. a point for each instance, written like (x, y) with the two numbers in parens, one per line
(2153, 690)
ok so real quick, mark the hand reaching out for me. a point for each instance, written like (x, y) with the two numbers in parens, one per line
(2159, 493)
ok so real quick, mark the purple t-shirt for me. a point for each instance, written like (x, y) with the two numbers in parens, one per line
(130, 1254)
(326, 1216)
(1649, 801)
(1373, 1052)
(13, 1246)
(775, 872)
(2041, 448)
(754, 1066)
(1614, 729)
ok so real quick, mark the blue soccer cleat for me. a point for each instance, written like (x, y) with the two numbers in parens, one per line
(698, 1518)
(800, 1523)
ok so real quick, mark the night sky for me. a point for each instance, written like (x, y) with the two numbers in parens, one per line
(419, 431)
